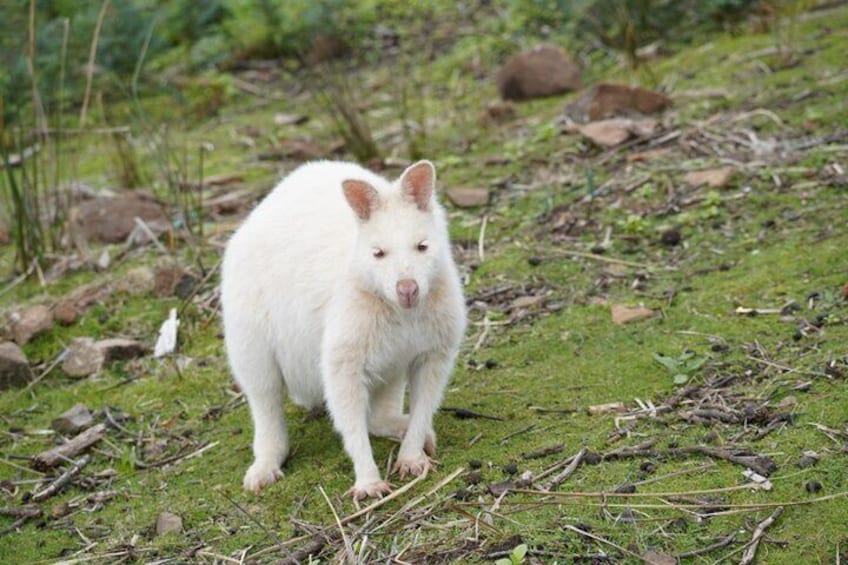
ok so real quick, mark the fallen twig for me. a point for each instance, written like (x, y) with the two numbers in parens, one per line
(50, 458)
(751, 550)
(465, 413)
(712, 547)
(62, 480)
(561, 477)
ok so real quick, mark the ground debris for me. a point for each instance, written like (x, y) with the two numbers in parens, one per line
(53, 457)
(14, 367)
(76, 418)
(168, 522)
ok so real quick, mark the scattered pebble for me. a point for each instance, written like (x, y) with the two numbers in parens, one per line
(813, 487)
(167, 523)
(73, 420)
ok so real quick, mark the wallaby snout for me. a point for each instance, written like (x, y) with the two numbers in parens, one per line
(407, 291)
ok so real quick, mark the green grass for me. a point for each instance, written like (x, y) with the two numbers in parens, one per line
(565, 360)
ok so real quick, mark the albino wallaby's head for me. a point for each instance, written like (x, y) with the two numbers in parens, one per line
(402, 234)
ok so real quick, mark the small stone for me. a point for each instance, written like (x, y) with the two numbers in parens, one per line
(510, 468)
(112, 219)
(605, 100)
(475, 464)
(545, 70)
(807, 461)
(813, 487)
(534, 261)
(468, 197)
(139, 280)
(167, 523)
(652, 557)
(14, 367)
(65, 312)
(624, 314)
(716, 178)
(719, 348)
(491, 364)
(83, 358)
(31, 322)
(787, 402)
(526, 302)
(615, 131)
(671, 237)
(626, 489)
(73, 420)
(167, 278)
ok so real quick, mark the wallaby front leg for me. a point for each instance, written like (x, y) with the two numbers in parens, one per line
(347, 401)
(427, 382)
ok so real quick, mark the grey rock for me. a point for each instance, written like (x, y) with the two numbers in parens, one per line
(14, 367)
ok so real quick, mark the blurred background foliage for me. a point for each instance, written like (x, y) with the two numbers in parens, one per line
(175, 37)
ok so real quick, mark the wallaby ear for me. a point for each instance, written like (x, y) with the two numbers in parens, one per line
(418, 183)
(361, 196)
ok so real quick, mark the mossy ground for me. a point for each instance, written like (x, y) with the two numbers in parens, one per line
(758, 243)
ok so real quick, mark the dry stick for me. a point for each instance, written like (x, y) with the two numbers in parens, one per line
(603, 259)
(481, 239)
(89, 69)
(351, 556)
(603, 494)
(177, 457)
(603, 540)
(575, 462)
(751, 551)
(712, 547)
(697, 469)
(50, 458)
(59, 358)
(750, 506)
(63, 480)
(25, 511)
(262, 526)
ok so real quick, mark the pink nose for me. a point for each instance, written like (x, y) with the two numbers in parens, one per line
(407, 290)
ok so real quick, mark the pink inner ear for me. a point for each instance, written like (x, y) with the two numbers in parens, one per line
(418, 182)
(361, 196)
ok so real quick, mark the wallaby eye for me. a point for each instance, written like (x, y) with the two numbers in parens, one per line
(423, 245)
(378, 253)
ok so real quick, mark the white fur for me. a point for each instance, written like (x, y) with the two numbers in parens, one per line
(309, 310)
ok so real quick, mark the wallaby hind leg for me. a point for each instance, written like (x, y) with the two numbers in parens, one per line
(257, 374)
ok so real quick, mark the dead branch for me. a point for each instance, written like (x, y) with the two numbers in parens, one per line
(62, 480)
(561, 477)
(52, 457)
(759, 531)
(712, 547)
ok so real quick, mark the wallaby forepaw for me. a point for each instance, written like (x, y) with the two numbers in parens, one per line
(414, 466)
(260, 475)
(376, 489)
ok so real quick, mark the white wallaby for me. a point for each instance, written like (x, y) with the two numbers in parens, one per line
(340, 289)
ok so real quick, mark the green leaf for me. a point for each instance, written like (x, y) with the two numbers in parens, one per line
(680, 379)
(503, 561)
(518, 553)
(667, 362)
